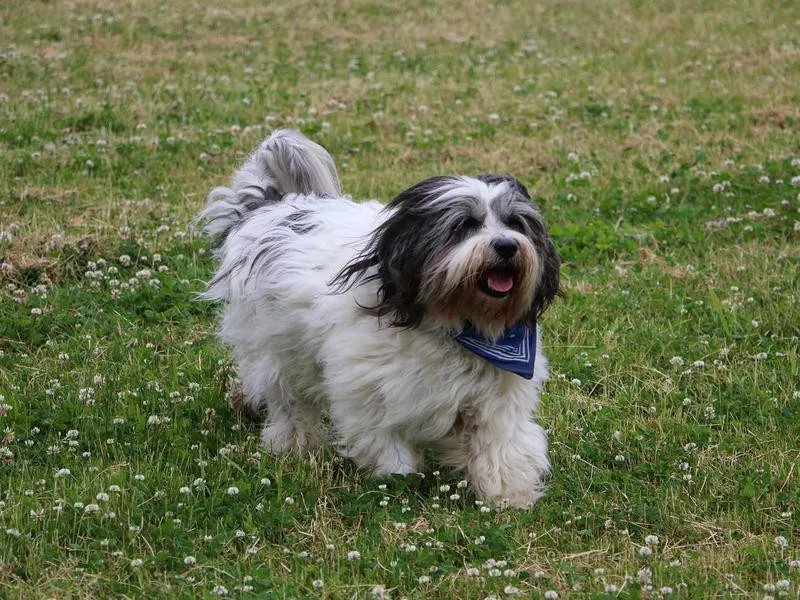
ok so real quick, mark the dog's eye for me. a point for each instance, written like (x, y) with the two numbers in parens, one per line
(467, 224)
(471, 223)
(518, 224)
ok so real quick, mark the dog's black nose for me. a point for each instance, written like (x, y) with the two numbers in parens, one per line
(505, 247)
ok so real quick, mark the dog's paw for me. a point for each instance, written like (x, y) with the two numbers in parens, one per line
(516, 498)
(287, 437)
(239, 402)
(235, 395)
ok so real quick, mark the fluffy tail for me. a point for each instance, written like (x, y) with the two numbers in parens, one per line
(286, 162)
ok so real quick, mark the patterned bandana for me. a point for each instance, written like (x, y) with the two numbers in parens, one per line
(514, 351)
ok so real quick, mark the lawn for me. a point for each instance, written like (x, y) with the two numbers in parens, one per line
(662, 142)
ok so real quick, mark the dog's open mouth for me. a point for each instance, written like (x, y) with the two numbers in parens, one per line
(497, 282)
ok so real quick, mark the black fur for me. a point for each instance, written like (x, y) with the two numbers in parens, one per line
(254, 198)
(424, 226)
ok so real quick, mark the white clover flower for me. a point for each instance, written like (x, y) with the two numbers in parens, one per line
(220, 590)
(288, 500)
(423, 579)
(353, 555)
(266, 482)
(378, 591)
(551, 595)
(239, 534)
(15, 533)
(666, 591)
(185, 490)
(645, 551)
(101, 497)
(783, 584)
(676, 360)
(62, 473)
(318, 584)
(139, 477)
(189, 560)
(232, 491)
(611, 588)
(91, 509)
(780, 542)
(652, 540)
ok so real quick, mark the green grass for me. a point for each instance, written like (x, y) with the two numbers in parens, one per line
(661, 141)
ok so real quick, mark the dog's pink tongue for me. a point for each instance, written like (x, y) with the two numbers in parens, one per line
(500, 283)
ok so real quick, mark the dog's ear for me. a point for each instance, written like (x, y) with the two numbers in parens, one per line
(549, 285)
(397, 253)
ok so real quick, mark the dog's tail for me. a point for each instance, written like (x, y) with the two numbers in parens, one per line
(287, 162)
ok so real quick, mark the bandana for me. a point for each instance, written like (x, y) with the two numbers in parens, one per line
(514, 351)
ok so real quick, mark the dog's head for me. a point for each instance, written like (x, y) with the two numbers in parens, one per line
(460, 249)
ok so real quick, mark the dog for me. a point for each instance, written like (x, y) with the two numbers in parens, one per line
(412, 325)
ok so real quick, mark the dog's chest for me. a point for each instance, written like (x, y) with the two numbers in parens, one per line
(432, 388)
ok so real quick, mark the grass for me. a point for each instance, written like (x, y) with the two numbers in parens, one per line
(661, 141)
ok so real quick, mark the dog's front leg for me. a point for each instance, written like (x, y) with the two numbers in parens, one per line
(504, 453)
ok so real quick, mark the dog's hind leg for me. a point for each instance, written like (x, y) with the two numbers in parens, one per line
(291, 422)
(383, 453)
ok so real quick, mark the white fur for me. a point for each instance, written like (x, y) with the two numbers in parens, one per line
(302, 349)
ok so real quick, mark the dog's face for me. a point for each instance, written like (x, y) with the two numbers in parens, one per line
(462, 249)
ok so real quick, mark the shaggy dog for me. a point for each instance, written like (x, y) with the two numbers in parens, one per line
(412, 325)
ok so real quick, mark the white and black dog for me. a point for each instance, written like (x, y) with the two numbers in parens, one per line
(412, 324)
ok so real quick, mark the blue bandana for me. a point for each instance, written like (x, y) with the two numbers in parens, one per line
(514, 351)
